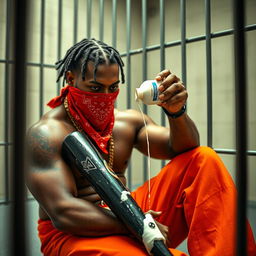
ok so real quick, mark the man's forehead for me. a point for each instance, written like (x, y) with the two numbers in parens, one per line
(102, 68)
(91, 65)
(108, 71)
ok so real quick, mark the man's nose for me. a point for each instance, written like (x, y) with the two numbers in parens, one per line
(106, 90)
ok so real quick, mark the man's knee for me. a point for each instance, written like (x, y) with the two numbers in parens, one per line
(203, 159)
(199, 152)
(204, 151)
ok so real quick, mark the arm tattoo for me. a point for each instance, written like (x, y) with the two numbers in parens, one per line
(42, 151)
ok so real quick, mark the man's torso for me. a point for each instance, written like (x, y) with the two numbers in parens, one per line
(127, 124)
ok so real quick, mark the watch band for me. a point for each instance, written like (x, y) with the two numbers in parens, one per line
(177, 114)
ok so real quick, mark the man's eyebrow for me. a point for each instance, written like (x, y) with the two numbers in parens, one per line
(98, 83)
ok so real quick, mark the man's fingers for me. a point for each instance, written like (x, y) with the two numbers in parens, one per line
(169, 82)
(165, 231)
(172, 100)
(154, 213)
(171, 91)
(163, 74)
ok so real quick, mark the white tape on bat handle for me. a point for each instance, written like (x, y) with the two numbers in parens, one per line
(151, 232)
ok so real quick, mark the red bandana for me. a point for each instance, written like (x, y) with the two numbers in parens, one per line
(94, 112)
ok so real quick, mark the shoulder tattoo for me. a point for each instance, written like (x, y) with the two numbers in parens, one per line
(42, 151)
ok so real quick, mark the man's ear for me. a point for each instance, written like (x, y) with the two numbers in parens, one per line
(70, 78)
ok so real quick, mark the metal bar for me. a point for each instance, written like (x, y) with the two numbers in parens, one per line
(5, 143)
(208, 70)
(162, 34)
(234, 152)
(188, 40)
(162, 51)
(29, 198)
(114, 26)
(128, 48)
(162, 44)
(183, 41)
(241, 125)
(101, 23)
(144, 43)
(251, 204)
(3, 202)
(59, 39)
(157, 47)
(6, 101)
(75, 20)
(4, 61)
(89, 18)
(167, 44)
(144, 72)
(19, 127)
(44, 65)
(41, 75)
(128, 71)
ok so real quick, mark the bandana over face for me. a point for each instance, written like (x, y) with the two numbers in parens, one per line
(94, 112)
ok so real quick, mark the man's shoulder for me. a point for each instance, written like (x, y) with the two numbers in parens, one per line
(52, 125)
(131, 116)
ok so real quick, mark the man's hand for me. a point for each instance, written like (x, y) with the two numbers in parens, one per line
(164, 229)
(173, 94)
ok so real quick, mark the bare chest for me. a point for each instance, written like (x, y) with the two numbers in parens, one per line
(123, 138)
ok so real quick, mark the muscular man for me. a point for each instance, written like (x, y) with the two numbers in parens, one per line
(193, 196)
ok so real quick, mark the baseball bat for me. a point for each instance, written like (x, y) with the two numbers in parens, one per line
(78, 149)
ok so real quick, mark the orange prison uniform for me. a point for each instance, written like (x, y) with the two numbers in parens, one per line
(197, 198)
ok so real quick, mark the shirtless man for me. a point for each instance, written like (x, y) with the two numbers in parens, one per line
(71, 219)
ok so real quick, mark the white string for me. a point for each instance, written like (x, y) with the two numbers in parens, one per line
(148, 158)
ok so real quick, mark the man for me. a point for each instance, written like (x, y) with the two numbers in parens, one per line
(193, 196)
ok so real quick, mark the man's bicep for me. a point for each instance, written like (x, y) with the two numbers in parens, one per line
(52, 187)
(43, 150)
(51, 182)
(159, 141)
(49, 178)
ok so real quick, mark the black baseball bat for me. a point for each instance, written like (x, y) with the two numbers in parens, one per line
(78, 149)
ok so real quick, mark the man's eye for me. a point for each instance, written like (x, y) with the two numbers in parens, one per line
(114, 87)
(95, 88)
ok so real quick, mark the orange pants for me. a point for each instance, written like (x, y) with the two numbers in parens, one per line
(197, 198)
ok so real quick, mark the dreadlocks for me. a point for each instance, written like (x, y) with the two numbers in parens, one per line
(88, 50)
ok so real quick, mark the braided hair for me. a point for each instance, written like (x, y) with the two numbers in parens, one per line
(88, 50)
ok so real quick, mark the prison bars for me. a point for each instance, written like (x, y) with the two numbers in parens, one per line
(18, 101)
(208, 49)
(59, 45)
(144, 50)
(239, 30)
(162, 51)
(144, 70)
(241, 125)
(7, 144)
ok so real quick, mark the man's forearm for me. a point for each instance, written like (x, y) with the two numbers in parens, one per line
(183, 134)
(85, 219)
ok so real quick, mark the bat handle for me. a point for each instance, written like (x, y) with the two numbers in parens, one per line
(159, 249)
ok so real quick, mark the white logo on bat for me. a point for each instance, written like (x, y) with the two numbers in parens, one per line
(88, 165)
